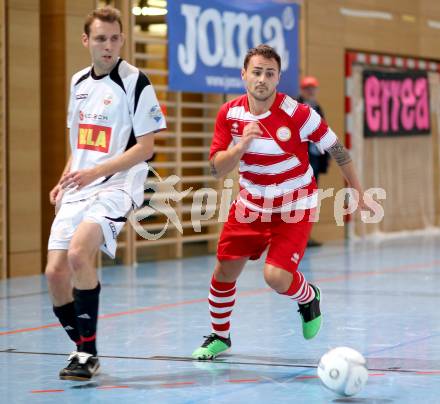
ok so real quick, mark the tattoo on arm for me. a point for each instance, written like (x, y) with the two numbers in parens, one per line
(339, 153)
(212, 166)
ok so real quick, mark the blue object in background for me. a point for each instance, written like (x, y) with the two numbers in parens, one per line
(207, 43)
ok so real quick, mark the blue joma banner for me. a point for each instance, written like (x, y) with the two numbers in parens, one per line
(208, 40)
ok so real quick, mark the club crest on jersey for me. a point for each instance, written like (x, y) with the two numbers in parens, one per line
(107, 99)
(235, 126)
(156, 113)
(284, 133)
(81, 116)
(94, 137)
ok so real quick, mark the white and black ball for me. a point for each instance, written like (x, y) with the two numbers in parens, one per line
(343, 370)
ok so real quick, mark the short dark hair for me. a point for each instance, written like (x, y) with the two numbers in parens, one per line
(263, 50)
(106, 14)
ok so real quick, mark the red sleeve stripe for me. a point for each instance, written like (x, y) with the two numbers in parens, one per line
(320, 132)
(310, 125)
(301, 115)
(328, 140)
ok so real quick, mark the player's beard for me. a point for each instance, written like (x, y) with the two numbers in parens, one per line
(261, 97)
(105, 67)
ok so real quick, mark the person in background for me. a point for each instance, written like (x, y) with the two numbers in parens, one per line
(319, 162)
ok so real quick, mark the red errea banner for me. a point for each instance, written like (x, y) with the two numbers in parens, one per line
(396, 103)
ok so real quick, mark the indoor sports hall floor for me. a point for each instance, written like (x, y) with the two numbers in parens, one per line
(381, 298)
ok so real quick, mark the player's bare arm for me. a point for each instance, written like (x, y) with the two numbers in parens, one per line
(141, 151)
(339, 153)
(225, 161)
(53, 194)
(342, 157)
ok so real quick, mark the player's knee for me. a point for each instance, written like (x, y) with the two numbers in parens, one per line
(221, 275)
(278, 279)
(77, 257)
(224, 273)
(273, 281)
(55, 273)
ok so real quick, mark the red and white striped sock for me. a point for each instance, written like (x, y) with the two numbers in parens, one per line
(221, 302)
(300, 290)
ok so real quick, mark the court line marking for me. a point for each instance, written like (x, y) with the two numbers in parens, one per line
(30, 294)
(308, 256)
(403, 343)
(176, 384)
(350, 275)
(191, 383)
(225, 362)
(243, 381)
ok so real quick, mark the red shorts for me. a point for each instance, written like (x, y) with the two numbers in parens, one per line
(287, 241)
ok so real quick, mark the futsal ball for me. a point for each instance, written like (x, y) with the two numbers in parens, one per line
(343, 370)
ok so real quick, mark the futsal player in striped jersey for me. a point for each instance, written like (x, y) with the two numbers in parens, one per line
(267, 134)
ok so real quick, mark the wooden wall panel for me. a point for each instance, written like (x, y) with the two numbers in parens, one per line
(3, 182)
(76, 56)
(429, 8)
(330, 34)
(24, 142)
(181, 150)
(37, 108)
(61, 58)
(53, 107)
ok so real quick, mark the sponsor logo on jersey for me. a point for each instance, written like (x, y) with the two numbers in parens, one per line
(156, 113)
(94, 137)
(283, 133)
(94, 117)
(107, 99)
(81, 96)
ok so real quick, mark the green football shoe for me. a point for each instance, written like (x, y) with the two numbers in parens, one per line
(311, 315)
(213, 346)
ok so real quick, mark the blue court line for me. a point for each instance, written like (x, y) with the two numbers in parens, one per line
(400, 344)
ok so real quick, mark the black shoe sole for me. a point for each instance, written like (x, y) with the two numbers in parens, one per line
(76, 378)
(79, 378)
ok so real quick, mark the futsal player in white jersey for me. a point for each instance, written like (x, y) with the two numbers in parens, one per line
(113, 113)
(267, 133)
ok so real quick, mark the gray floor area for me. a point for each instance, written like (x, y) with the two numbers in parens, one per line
(381, 298)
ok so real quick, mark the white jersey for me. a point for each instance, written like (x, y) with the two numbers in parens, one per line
(106, 114)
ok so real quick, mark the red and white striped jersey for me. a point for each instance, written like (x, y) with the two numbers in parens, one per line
(275, 174)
